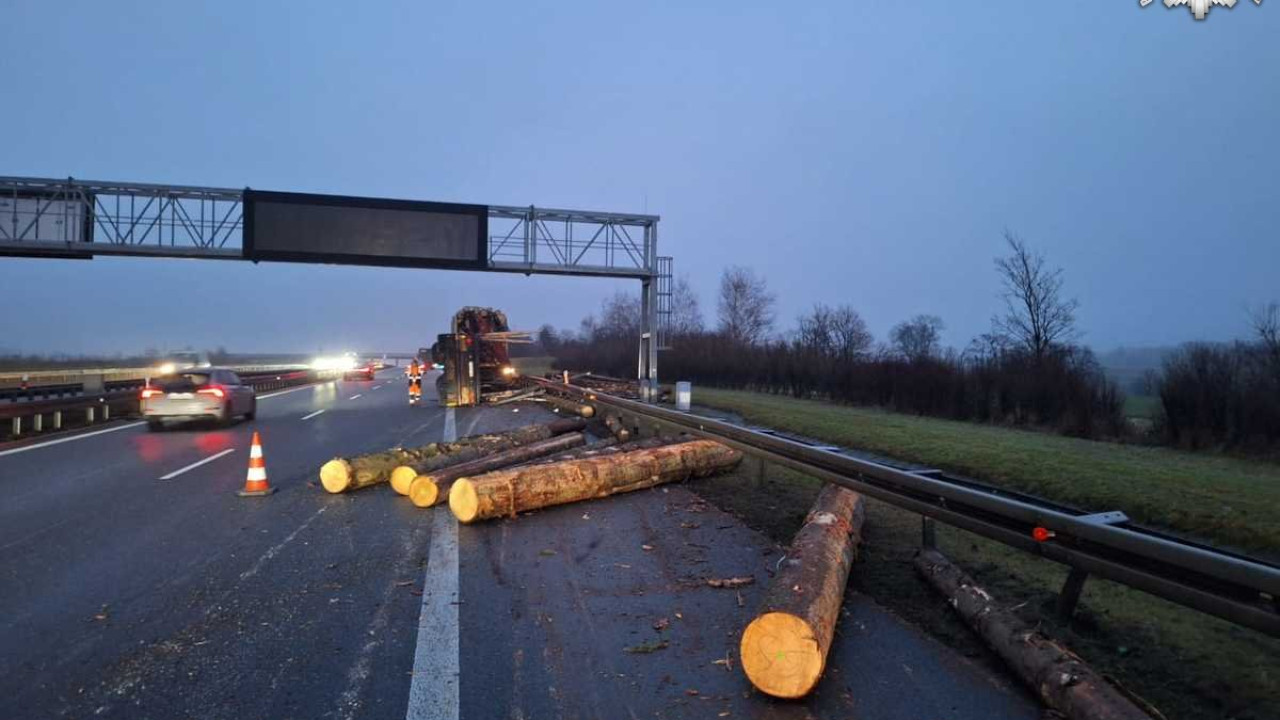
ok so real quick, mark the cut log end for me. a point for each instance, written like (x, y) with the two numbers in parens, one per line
(423, 491)
(586, 411)
(401, 478)
(780, 655)
(336, 475)
(463, 500)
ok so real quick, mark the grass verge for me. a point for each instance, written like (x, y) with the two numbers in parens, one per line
(1227, 501)
(1189, 665)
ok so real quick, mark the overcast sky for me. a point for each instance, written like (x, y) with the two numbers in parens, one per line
(868, 153)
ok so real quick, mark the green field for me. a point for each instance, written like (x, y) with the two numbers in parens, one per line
(1223, 500)
(1187, 664)
(1141, 406)
(539, 365)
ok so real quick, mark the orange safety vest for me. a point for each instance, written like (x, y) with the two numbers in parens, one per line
(415, 371)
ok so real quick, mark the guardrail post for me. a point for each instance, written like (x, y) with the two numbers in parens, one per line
(57, 419)
(758, 472)
(106, 411)
(17, 426)
(88, 415)
(37, 423)
(1070, 595)
(928, 532)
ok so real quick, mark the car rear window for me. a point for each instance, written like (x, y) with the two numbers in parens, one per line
(181, 381)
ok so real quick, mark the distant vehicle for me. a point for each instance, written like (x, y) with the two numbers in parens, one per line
(360, 370)
(200, 394)
(182, 360)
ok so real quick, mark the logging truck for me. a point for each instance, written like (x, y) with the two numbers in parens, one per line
(474, 358)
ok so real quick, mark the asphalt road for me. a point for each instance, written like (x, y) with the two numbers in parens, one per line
(125, 595)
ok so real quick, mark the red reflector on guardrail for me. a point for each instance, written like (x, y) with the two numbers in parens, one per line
(1041, 534)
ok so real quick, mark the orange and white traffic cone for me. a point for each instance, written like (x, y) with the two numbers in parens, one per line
(255, 483)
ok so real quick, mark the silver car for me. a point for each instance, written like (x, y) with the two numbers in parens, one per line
(199, 394)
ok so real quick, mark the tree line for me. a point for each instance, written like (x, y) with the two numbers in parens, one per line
(1027, 370)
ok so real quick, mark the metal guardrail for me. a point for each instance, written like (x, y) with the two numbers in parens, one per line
(1235, 587)
(124, 400)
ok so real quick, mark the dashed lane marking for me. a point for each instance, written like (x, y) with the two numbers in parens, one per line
(308, 417)
(197, 464)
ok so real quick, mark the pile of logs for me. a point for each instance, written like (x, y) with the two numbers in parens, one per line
(532, 467)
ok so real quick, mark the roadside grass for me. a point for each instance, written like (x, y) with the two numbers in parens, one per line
(1223, 500)
(533, 366)
(1189, 665)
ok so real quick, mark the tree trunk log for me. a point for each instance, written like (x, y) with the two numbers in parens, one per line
(430, 488)
(475, 447)
(616, 427)
(784, 649)
(344, 474)
(507, 492)
(569, 406)
(1062, 680)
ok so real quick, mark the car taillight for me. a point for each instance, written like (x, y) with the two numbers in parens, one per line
(214, 391)
(151, 392)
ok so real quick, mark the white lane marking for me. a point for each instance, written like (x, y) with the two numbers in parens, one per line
(286, 392)
(81, 436)
(433, 690)
(433, 685)
(375, 387)
(357, 396)
(196, 464)
(308, 417)
(450, 426)
(275, 549)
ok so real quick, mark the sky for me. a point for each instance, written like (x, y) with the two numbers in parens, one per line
(850, 152)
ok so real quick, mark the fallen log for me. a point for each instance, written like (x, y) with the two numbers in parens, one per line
(430, 488)
(617, 428)
(478, 446)
(608, 446)
(345, 474)
(784, 649)
(568, 406)
(515, 490)
(1062, 680)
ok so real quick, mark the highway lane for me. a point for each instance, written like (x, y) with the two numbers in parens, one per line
(109, 570)
(134, 597)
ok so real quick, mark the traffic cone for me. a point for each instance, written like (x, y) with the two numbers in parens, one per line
(255, 483)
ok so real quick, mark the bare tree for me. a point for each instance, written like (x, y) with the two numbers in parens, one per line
(686, 313)
(620, 316)
(1036, 317)
(1266, 325)
(548, 338)
(837, 331)
(918, 338)
(746, 306)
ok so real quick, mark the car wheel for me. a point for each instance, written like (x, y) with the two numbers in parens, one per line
(154, 426)
(226, 418)
(253, 410)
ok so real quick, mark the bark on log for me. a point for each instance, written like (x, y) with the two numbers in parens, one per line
(569, 406)
(1062, 680)
(784, 649)
(431, 488)
(616, 427)
(608, 446)
(344, 474)
(507, 492)
(474, 447)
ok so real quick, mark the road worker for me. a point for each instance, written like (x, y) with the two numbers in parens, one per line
(415, 382)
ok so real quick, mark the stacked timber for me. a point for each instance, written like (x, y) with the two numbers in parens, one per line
(428, 489)
(346, 474)
(784, 649)
(521, 489)
(403, 474)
